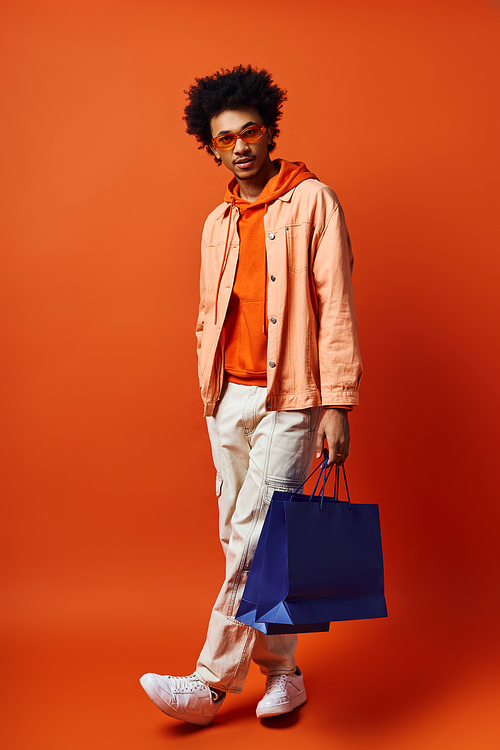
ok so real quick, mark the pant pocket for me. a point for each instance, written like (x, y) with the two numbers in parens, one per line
(218, 484)
(282, 485)
(314, 418)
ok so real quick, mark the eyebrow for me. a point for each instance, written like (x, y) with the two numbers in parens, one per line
(225, 132)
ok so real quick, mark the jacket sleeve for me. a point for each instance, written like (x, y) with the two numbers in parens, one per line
(201, 310)
(338, 351)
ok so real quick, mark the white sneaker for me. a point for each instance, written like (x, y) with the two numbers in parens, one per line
(284, 692)
(183, 698)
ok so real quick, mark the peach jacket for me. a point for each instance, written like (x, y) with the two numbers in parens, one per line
(312, 347)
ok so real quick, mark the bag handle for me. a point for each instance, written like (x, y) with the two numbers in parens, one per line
(336, 490)
(319, 466)
(325, 474)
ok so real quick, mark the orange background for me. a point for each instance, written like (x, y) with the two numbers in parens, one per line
(110, 553)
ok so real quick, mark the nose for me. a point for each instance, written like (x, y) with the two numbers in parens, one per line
(240, 147)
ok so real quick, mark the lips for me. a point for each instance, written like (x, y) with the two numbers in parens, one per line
(245, 163)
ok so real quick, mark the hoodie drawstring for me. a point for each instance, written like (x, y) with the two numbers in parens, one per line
(264, 327)
(223, 259)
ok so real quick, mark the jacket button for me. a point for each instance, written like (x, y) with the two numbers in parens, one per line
(269, 404)
(273, 320)
(273, 278)
(271, 236)
(272, 364)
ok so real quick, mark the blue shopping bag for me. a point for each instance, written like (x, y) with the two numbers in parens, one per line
(248, 606)
(319, 560)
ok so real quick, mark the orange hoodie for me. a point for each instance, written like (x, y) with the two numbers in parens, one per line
(245, 326)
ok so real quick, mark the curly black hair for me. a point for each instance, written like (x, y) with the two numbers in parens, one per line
(243, 86)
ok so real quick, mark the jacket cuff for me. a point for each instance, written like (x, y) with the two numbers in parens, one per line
(339, 397)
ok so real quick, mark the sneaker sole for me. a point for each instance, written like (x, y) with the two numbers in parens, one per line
(264, 713)
(202, 721)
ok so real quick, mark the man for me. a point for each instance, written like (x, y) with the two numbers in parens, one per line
(279, 366)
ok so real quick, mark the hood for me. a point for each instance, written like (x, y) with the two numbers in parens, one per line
(290, 175)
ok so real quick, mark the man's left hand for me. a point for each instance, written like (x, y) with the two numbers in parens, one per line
(334, 426)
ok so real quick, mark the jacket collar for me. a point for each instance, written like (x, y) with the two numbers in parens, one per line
(285, 198)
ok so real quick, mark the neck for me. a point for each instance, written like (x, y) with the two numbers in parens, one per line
(251, 189)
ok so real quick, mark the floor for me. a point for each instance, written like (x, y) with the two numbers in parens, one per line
(72, 679)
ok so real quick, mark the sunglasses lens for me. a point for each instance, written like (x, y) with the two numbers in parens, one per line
(251, 134)
(225, 141)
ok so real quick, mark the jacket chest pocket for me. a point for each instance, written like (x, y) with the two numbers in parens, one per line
(298, 239)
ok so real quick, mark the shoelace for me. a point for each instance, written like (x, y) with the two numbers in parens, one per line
(186, 683)
(275, 682)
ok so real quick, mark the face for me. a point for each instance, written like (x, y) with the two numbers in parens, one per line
(245, 160)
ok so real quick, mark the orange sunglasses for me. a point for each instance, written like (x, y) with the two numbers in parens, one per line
(250, 134)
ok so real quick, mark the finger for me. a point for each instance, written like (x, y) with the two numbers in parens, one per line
(331, 457)
(320, 442)
(331, 450)
(342, 453)
(336, 451)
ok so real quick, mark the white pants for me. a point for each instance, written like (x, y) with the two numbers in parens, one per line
(255, 452)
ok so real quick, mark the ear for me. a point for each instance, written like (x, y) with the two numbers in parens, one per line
(217, 156)
(269, 134)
